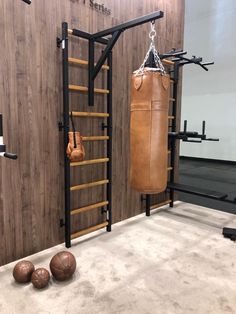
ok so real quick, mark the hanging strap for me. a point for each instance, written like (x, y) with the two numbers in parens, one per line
(73, 129)
(159, 66)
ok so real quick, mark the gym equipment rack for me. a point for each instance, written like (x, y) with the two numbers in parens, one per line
(175, 63)
(177, 60)
(93, 70)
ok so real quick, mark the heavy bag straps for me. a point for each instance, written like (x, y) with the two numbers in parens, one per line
(73, 129)
(152, 49)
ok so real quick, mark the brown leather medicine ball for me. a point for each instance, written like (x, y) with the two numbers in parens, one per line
(63, 265)
(40, 278)
(22, 271)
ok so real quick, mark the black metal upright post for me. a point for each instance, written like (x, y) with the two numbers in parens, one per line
(1, 127)
(109, 142)
(148, 205)
(2, 146)
(90, 72)
(173, 129)
(66, 130)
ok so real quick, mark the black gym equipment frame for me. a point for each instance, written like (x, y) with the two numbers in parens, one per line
(178, 59)
(93, 70)
(176, 62)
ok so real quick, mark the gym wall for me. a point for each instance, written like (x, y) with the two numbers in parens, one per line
(211, 95)
(31, 188)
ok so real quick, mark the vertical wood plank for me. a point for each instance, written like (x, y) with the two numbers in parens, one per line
(31, 188)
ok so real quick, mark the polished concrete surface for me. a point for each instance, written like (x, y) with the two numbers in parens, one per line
(212, 176)
(175, 261)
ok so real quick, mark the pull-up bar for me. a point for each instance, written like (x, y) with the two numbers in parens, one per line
(132, 23)
(109, 43)
(115, 32)
(193, 60)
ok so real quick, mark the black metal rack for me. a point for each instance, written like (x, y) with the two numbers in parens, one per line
(174, 71)
(177, 61)
(93, 70)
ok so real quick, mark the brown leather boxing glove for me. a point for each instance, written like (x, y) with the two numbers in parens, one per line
(75, 149)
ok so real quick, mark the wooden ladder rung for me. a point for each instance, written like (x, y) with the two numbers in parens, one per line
(79, 88)
(88, 185)
(171, 117)
(160, 204)
(169, 168)
(94, 138)
(84, 62)
(88, 230)
(89, 207)
(90, 114)
(89, 162)
(167, 62)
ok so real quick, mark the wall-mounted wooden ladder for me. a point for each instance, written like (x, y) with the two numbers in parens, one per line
(107, 160)
(113, 34)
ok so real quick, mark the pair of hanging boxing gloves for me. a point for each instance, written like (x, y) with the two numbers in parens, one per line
(75, 149)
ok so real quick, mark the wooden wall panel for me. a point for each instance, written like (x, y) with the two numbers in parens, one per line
(31, 188)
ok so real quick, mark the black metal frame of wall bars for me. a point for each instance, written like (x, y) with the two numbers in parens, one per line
(173, 127)
(178, 62)
(93, 71)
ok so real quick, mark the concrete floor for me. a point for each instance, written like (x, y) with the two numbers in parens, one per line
(175, 261)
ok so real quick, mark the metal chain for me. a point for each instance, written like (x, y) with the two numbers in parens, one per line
(152, 48)
(153, 32)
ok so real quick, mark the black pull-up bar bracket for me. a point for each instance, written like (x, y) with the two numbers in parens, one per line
(115, 32)
(208, 63)
(193, 60)
(110, 45)
(203, 135)
(173, 53)
(2, 146)
(27, 1)
(10, 156)
(136, 22)
(190, 136)
(192, 141)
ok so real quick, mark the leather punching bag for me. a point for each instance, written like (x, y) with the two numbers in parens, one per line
(149, 131)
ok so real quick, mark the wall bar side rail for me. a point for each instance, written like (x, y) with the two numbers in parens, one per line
(109, 142)
(67, 221)
(173, 129)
